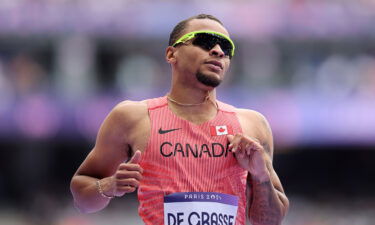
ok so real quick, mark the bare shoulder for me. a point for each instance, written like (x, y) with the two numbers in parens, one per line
(252, 117)
(128, 107)
(129, 112)
(132, 122)
(125, 118)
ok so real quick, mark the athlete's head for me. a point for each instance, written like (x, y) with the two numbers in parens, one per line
(178, 30)
(200, 45)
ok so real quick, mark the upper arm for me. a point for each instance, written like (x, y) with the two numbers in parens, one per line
(265, 134)
(256, 126)
(266, 140)
(112, 143)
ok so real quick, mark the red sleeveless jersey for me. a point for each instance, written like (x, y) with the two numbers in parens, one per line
(185, 157)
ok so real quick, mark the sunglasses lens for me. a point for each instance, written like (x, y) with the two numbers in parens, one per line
(208, 41)
(226, 47)
(205, 41)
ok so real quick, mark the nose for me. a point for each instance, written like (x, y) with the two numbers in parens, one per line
(217, 51)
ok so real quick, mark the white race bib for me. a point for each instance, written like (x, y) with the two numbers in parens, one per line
(200, 208)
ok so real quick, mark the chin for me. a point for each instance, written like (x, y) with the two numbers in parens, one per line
(210, 80)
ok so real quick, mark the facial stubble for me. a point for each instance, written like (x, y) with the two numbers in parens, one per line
(208, 80)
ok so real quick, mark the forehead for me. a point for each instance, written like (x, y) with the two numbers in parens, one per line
(205, 24)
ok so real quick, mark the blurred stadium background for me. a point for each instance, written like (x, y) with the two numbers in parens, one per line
(308, 66)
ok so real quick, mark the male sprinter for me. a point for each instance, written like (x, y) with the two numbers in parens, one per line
(194, 159)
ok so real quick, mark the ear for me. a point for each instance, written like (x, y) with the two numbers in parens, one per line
(170, 55)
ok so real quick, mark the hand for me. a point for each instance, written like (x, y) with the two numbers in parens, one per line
(127, 176)
(250, 155)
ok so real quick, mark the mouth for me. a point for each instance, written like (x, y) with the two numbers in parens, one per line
(215, 63)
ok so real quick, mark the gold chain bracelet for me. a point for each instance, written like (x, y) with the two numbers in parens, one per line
(100, 190)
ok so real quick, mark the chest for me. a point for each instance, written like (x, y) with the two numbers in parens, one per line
(173, 138)
(195, 142)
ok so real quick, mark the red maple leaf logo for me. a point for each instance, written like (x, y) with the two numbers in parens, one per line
(221, 130)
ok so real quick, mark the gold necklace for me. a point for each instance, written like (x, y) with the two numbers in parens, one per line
(186, 104)
(191, 104)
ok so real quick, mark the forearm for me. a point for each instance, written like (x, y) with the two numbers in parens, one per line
(268, 206)
(87, 198)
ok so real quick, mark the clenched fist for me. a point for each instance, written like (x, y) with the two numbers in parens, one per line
(250, 154)
(125, 179)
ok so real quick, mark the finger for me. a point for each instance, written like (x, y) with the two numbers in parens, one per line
(230, 137)
(235, 142)
(238, 155)
(120, 194)
(241, 151)
(128, 182)
(254, 142)
(230, 140)
(125, 189)
(247, 149)
(247, 145)
(130, 167)
(136, 157)
(128, 174)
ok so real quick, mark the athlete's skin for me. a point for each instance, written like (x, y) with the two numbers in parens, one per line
(125, 132)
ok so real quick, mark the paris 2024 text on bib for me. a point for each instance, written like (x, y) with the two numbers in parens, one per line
(200, 208)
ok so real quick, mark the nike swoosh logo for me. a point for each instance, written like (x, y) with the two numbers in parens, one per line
(167, 131)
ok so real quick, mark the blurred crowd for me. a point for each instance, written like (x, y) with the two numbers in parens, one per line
(66, 85)
(314, 60)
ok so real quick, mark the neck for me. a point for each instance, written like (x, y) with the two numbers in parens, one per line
(196, 108)
(192, 101)
(185, 88)
(191, 97)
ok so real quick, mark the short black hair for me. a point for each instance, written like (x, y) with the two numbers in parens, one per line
(180, 27)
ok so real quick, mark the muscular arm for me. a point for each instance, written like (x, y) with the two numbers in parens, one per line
(267, 202)
(111, 149)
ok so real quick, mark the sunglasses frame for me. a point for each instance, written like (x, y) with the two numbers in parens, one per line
(191, 35)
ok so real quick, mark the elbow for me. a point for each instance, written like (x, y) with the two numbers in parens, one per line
(78, 202)
(78, 205)
(85, 196)
(82, 209)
